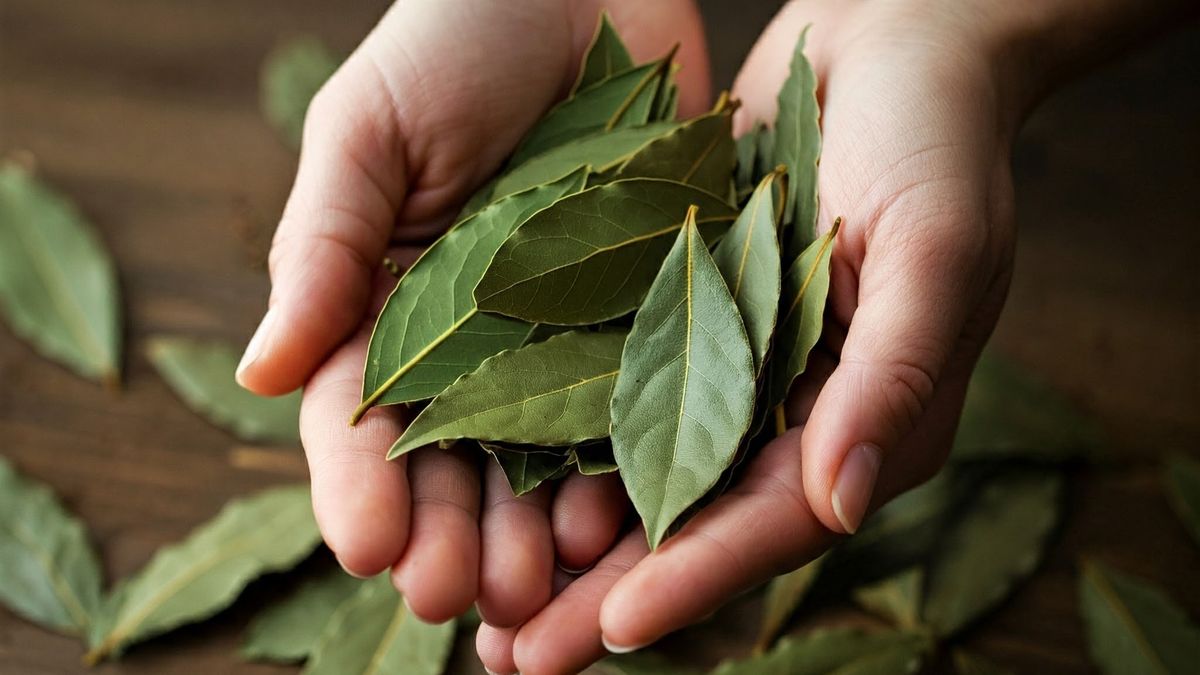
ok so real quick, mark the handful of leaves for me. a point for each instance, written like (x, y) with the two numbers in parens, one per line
(618, 297)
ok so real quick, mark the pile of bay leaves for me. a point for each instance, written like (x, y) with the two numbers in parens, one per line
(624, 273)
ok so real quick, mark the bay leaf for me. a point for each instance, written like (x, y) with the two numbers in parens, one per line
(48, 571)
(592, 256)
(430, 332)
(642, 663)
(594, 459)
(1182, 478)
(746, 151)
(374, 633)
(58, 287)
(748, 257)
(685, 392)
(291, 75)
(288, 630)
(798, 145)
(699, 152)
(836, 651)
(201, 575)
(527, 468)
(784, 595)
(201, 373)
(967, 663)
(1133, 627)
(606, 56)
(897, 598)
(548, 393)
(805, 289)
(995, 544)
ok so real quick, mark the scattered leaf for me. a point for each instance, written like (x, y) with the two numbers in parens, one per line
(897, 598)
(527, 468)
(784, 595)
(836, 652)
(798, 146)
(287, 630)
(1182, 478)
(606, 56)
(290, 77)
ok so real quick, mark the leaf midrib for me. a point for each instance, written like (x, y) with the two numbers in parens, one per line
(381, 650)
(1113, 599)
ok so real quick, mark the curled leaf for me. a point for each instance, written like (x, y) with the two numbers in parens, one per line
(527, 468)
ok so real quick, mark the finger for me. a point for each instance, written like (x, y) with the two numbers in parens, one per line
(361, 500)
(495, 648)
(517, 563)
(586, 518)
(565, 636)
(439, 571)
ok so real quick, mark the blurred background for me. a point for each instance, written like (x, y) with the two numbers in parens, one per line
(146, 113)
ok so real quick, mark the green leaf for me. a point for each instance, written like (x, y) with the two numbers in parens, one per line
(994, 545)
(1133, 627)
(748, 257)
(290, 77)
(48, 571)
(548, 393)
(201, 373)
(836, 652)
(805, 288)
(527, 468)
(685, 393)
(592, 256)
(1182, 478)
(203, 574)
(798, 145)
(642, 663)
(430, 332)
(594, 459)
(897, 598)
(287, 630)
(699, 153)
(374, 633)
(784, 595)
(58, 288)
(606, 56)
(966, 663)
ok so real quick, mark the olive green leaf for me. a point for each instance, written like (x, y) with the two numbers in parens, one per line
(592, 256)
(201, 373)
(48, 571)
(291, 75)
(685, 392)
(287, 630)
(374, 633)
(784, 595)
(527, 468)
(548, 393)
(594, 459)
(1182, 478)
(966, 663)
(996, 543)
(1133, 627)
(748, 257)
(897, 598)
(805, 288)
(836, 652)
(606, 56)
(699, 152)
(642, 663)
(430, 332)
(798, 145)
(58, 288)
(755, 159)
(201, 575)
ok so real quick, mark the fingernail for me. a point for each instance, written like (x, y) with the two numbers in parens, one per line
(347, 569)
(618, 649)
(254, 349)
(492, 672)
(854, 485)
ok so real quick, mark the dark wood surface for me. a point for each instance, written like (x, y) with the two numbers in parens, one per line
(146, 113)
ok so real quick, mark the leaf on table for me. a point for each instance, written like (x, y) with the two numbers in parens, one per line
(606, 56)
(48, 571)
(58, 287)
(990, 549)
(290, 76)
(201, 575)
(1182, 478)
(527, 468)
(836, 651)
(1134, 628)
(201, 373)
(801, 316)
(798, 146)
(897, 598)
(374, 633)
(430, 332)
(967, 663)
(286, 631)
(594, 459)
(548, 393)
(685, 392)
(592, 256)
(784, 595)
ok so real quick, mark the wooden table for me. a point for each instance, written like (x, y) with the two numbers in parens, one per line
(146, 113)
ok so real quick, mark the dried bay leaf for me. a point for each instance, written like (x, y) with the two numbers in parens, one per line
(430, 331)
(592, 256)
(1133, 627)
(1182, 478)
(288, 630)
(374, 633)
(798, 146)
(784, 595)
(642, 663)
(201, 373)
(549, 393)
(836, 651)
(527, 468)
(594, 459)
(699, 152)
(897, 598)
(58, 287)
(685, 393)
(48, 571)
(291, 75)
(197, 577)
(606, 56)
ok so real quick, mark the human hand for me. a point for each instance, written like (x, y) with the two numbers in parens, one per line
(425, 110)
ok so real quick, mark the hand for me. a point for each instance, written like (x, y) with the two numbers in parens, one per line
(917, 124)
(425, 110)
